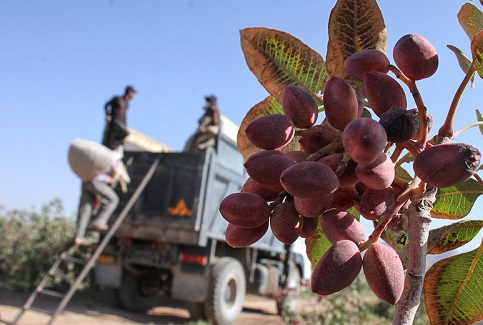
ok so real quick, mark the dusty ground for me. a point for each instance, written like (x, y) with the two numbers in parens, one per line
(97, 310)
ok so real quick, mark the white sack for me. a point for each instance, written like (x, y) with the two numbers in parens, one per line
(89, 159)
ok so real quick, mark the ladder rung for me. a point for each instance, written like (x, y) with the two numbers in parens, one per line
(52, 293)
(73, 259)
(60, 275)
(40, 310)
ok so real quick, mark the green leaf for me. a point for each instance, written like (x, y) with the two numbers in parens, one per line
(354, 212)
(402, 174)
(278, 59)
(354, 25)
(471, 19)
(456, 202)
(316, 246)
(366, 113)
(479, 117)
(453, 289)
(477, 52)
(396, 239)
(453, 236)
(269, 105)
(463, 61)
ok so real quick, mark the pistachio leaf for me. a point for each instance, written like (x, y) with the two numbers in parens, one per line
(453, 236)
(479, 117)
(278, 59)
(396, 239)
(402, 174)
(471, 19)
(456, 202)
(354, 25)
(316, 246)
(477, 52)
(463, 61)
(354, 212)
(269, 105)
(453, 289)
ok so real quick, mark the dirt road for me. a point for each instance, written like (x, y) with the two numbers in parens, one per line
(96, 310)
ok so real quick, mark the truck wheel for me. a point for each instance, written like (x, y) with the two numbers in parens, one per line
(288, 300)
(134, 294)
(226, 291)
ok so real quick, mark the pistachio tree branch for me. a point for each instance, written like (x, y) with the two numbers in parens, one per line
(419, 218)
(405, 158)
(396, 153)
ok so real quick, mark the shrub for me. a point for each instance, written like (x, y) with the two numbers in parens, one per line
(31, 241)
(352, 305)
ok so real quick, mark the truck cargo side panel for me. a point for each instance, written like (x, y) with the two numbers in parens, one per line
(168, 208)
(221, 184)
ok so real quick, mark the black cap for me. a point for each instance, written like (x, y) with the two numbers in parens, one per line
(130, 88)
(210, 99)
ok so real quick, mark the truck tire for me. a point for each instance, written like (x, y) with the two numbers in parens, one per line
(289, 300)
(133, 295)
(226, 293)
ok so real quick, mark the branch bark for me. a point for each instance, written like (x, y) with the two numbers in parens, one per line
(419, 218)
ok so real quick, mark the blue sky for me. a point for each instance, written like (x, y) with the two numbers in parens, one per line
(60, 61)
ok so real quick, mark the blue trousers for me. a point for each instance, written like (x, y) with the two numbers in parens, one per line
(92, 190)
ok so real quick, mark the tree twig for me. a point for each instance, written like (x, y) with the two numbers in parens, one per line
(469, 126)
(422, 111)
(445, 133)
(336, 144)
(413, 189)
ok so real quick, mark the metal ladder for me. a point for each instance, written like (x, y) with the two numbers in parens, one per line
(66, 256)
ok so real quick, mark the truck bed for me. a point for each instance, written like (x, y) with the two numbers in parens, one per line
(180, 204)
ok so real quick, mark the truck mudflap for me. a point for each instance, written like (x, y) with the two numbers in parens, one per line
(190, 280)
(109, 271)
(191, 274)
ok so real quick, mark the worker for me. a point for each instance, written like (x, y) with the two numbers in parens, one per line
(101, 170)
(116, 113)
(97, 190)
(208, 128)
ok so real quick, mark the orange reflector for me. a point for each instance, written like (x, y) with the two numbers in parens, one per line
(194, 259)
(106, 259)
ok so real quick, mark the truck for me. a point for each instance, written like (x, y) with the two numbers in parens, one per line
(172, 241)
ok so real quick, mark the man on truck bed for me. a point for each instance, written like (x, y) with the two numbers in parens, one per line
(208, 128)
(116, 111)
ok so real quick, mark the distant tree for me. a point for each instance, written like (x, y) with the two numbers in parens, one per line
(31, 241)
